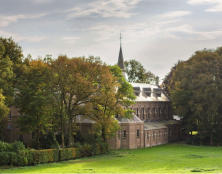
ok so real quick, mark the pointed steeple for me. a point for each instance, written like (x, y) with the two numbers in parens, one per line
(120, 59)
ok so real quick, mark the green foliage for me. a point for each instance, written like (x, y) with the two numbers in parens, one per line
(50, 141)
(8, 158)
(68, 153)
(18, 146)
(5, 147)
(137, 73)
(44, 156)
(195, 88)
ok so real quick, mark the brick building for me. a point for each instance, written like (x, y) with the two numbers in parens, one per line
(151, 125)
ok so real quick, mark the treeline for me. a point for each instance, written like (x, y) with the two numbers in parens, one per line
(195, 87)
(51, 93)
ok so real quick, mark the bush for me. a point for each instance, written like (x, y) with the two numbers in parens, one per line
(104, 147)
(44, 156)
(50, 141)
(25, 157)
(8, 158)
(59, 139)
(68, 153)
(5, 147)
(17, 146)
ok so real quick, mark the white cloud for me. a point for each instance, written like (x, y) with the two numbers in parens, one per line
(174, 14)
(6, 20)
(216, 8)
(70, 40)
(103, 32)
(18, 37)
(110, 8)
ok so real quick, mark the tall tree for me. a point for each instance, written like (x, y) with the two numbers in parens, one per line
(34, 99)
(6, 87)
(196, 91)
(137, 73)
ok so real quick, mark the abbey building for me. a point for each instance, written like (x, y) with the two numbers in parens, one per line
(153, 122)
(151, 125)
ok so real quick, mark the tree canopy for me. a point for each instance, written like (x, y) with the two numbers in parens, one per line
(137, 73)
(196, 90)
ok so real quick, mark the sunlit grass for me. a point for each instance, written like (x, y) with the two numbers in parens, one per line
(170, 158)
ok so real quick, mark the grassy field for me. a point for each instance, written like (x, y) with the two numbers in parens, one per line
(169, 158)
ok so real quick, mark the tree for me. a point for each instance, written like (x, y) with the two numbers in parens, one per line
(196, 92)
(166, 84)
(34, 99)
(137, 73)
(75, 80)
(6, 88)
(14, 52)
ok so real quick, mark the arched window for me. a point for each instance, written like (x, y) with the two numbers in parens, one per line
(159, 133)
(10, 116)
(124, 133)
(143, 112)
(154, 112)
(147, 136)
(154, 135)
(138, 133)
(118, 134)
(148, 113)
(163, 112)
(137, 112)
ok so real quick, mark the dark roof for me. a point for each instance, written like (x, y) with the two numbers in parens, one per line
(9, 127)
(147, 90)
(136, 89)
(120, 59)
(157, 90)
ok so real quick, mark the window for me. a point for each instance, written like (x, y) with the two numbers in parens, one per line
(159, 133)
(33, 135)
(118, 134)
(124, 133)
(138, 133)
(157, 91)
(147, 136)
(137, 90)
(154, 112)
(137, 112)
(10, 116)
(147, 91)
(154, 135)
(148, 113)
(143, 112)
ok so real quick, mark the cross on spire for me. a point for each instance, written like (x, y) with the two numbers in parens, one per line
(120, 39)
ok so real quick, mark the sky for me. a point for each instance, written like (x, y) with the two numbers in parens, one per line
(156, 33)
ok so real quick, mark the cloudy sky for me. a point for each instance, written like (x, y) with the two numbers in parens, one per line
(155, 32)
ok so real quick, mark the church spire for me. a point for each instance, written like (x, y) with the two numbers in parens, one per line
(120, 59)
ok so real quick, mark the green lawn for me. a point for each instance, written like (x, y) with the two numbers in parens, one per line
(169, 158)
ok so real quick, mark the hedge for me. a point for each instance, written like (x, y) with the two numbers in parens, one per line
(44, 156)
(8, 158)
(22, 157)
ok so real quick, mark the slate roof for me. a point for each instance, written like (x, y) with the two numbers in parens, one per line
(135, 119)
(152, 90)
(159, 124)
(120, 59)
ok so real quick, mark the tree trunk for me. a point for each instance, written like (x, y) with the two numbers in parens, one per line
(62, 132)
(70, 131)
(62, 127)
(103, 134)
(37, 138)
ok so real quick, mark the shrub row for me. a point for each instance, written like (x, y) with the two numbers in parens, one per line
(29, 157)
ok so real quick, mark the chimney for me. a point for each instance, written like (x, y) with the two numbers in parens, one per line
(157, 80)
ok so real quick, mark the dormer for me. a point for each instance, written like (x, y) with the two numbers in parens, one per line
(147, 91)
(157, 91)
(137, 90)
